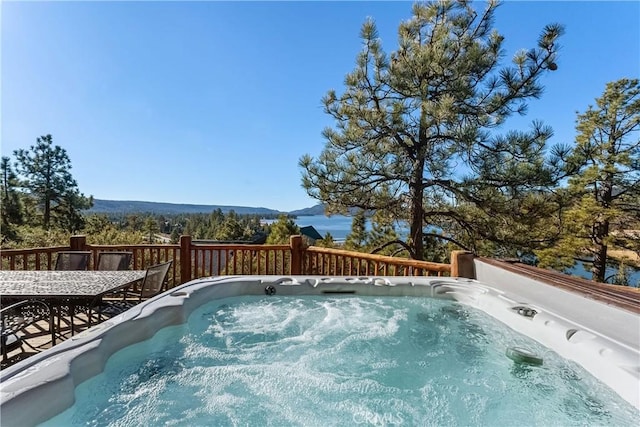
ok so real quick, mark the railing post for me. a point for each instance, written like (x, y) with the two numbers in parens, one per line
(78, 243)
(462, 265)
(185, 259)
(296, 254)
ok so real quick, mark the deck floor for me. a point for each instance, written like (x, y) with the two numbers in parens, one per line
(38, 338)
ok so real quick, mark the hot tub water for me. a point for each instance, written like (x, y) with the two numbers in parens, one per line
(258, 360)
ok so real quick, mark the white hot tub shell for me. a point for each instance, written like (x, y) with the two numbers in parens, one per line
(601, 338)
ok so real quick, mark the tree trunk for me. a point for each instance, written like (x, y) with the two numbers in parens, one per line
(417, 210)
(47, 193)
(47, 211)
(601, 229)
(599, 267)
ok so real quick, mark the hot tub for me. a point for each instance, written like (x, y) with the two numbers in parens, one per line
(45, 386)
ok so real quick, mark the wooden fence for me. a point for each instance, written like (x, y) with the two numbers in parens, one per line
(194, 260)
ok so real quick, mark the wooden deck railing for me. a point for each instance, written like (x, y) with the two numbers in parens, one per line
(194, 260)
(30, 259)
(336, 262)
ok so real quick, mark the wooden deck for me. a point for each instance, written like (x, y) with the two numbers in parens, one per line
(624, 297)
(39, 336)
(621, 296)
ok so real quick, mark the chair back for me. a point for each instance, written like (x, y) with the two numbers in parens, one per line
(14, 321)
(154, 280)
(112, 261)
(72, 260)
(18, 316)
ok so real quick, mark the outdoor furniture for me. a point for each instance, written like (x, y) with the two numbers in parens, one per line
(111, 261)
(65, 291)
(152, 285)
(72, 260)
(15, 321)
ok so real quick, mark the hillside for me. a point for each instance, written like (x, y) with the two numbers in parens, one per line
(314, 210)
(130, 206)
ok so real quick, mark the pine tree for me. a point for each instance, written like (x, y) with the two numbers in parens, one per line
(326, 242)
(357, 237)
(151, 227)
(10, 204)
(47, 172)
(382, 233)
(69, 214)
(281, 230)
(408, 122)
(175, 235)
(606, 189)
(216, 219)
(230, 229)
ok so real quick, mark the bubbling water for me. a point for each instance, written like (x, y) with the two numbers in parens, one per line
(279, 361)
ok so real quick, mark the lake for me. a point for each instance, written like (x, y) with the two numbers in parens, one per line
(581, 269)
(339, 226)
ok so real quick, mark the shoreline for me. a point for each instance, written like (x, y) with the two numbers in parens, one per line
(629, 257)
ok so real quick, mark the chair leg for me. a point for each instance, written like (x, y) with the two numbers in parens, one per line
(51, 328)
(61, 310)
(72, 313)
(90, 314)
(59, 320)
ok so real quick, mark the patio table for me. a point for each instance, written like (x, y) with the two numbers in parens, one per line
(57, 288)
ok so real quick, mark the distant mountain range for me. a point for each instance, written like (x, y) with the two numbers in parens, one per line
(159, 208)
(314, 210)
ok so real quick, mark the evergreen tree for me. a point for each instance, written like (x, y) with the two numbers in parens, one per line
(357, 237)
(231, 228)
(382, 233)
(102, 230)
(621, 278)
(175, 235)
(95, 224)
(326, 242)
(10, 204)
(151, 228)
(68, 212)
(281, 230)
(408, 123)
(134, 222)
(435, 249)
(47, 172)
(606, 189)
(216, 219)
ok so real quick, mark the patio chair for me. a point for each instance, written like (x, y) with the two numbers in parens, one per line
(72, 260)
(152, 285)
(111, 261)
(14, 321)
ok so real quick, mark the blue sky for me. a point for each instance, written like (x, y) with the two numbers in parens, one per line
(215, 102)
